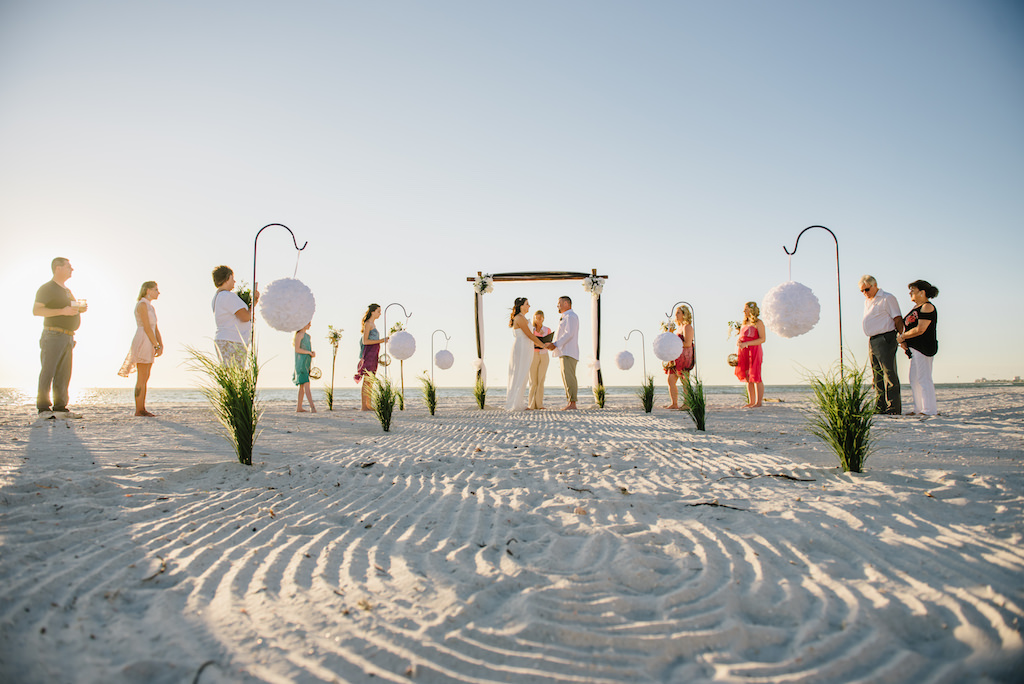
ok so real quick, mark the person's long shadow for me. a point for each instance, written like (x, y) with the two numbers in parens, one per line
(68, 520)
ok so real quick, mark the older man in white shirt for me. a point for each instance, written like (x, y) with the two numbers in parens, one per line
(566, 348)
(882, 320)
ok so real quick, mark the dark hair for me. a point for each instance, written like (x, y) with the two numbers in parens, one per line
(221, 275)
(930, 291)
(146, 286)
(568, 299)
(369, 312)
(59, 261)
(516, 306)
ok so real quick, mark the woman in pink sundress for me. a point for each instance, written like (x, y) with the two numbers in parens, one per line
(750, 354)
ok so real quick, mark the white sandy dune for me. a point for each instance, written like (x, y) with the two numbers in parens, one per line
(481, 546)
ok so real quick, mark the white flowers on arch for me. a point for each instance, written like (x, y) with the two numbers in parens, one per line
(790, 309)
(484, 284)
(594, 285)
(287, 305)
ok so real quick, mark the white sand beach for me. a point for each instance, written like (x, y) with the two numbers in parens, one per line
(482, 546)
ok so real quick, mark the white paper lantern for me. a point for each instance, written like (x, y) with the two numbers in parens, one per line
(444, 359)
(287, 305)
(402, 345)
(790, 309)
(624, 360)
(668, 346)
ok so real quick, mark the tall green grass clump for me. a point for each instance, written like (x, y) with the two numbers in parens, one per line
(646, 393)
(382, 398)
(231, 391)
(329, 397)
(599, 395)
(843, 412)
(696, 401)
(480, 393)
(429, 392)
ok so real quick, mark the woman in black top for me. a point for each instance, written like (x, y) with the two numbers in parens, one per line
(920, 340)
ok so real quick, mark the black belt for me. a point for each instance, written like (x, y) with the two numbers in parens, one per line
(891, 332)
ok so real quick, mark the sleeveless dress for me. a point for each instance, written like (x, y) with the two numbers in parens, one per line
(303, 362)
(518, 371)
(142, 349)
(369, 356)
(748, 368)
(686, 360)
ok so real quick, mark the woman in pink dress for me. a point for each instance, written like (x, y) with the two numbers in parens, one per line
(146, 345)
(681, 367)
(749, 354)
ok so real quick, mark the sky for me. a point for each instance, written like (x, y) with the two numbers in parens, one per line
(676, 147)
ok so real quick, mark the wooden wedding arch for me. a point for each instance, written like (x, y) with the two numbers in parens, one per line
(528, 276)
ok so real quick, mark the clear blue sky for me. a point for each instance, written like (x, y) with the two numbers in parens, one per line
(675, 146)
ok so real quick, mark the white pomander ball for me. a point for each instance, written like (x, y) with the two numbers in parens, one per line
(402, 345)
(444, 359)
(624, 360)
(668, 346)
(790, 309)
(287, 305)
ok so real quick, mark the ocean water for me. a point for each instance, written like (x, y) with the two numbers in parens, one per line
(108, 396)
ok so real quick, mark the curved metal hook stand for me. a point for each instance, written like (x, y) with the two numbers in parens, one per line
(446, 341)
(643, 347)
(255, 243)
(386, 333)
(839, 286)
(672, 311)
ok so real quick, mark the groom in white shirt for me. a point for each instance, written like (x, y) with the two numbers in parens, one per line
(566, 346)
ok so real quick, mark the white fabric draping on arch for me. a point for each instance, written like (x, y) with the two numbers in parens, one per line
(595, 364)
(479, 363)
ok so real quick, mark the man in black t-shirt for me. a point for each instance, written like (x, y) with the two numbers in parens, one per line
(61, 315)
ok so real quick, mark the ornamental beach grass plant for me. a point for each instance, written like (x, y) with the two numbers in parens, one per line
(599, 395)
(429, 392)
(231, 391)
(382, 398)
(334, 338)
(480, 393)
(843, 414)
(646, 393)
(696, 401)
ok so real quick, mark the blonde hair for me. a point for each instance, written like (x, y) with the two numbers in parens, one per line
(687, 314)
(146, 287)
(752, 316)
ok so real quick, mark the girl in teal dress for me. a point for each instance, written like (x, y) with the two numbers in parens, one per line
(303, 360)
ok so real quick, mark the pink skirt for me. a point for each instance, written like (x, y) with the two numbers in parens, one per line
(141, 352)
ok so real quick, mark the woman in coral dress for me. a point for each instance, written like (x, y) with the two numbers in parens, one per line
(146, 345)
(681, 367)
(750, 354)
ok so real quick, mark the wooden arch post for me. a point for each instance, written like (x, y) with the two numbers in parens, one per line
(529, 276)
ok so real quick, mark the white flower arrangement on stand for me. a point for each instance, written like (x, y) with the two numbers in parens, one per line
(790, 309)
(287, 305)
(593, 284)
(484, 284)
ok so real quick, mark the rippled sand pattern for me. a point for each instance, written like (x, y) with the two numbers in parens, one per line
(601, 546)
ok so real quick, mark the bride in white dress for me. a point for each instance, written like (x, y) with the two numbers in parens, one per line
(522, 356)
